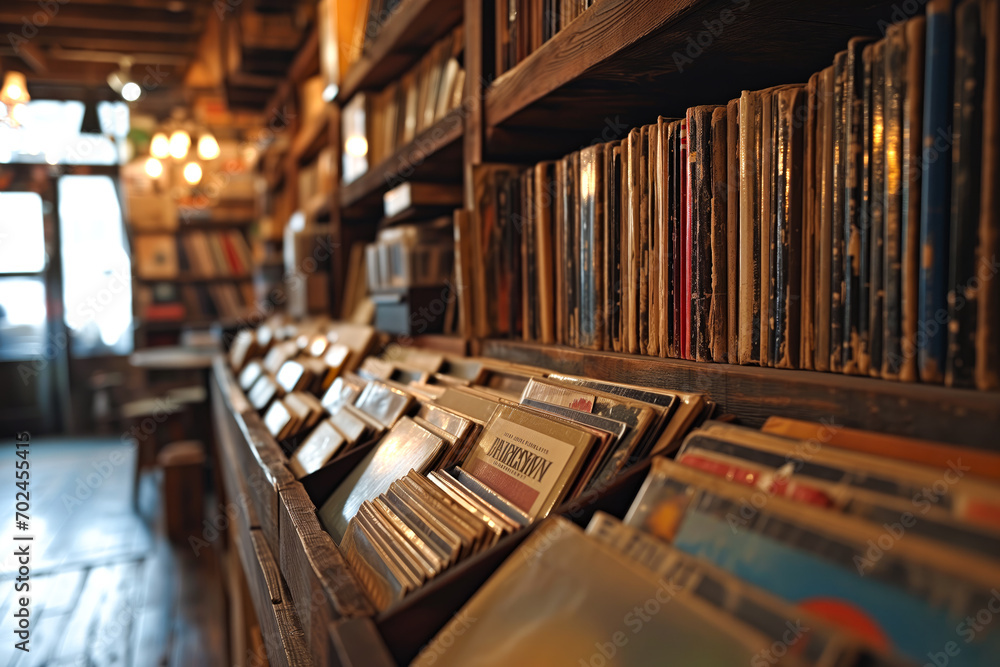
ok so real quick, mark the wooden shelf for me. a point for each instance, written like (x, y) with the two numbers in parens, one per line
(433, 155)
(623, 62)
(209, 225)
(304, 65)
(753, 394)
(311, 139)
(402, 41)
(172, 325)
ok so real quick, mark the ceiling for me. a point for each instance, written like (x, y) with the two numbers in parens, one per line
(67, 48)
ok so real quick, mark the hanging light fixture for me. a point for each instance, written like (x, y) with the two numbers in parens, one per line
(159, 146)
(14, 96)
(154, 168)
(208, 147)
(91, 120)
(192, 173)
(180, 142)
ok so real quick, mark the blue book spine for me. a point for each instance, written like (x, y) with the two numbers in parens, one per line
(935, 204)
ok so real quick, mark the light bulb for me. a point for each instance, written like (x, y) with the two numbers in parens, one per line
(180, 142)
(19, 113)
(208, 147)
(131, 91)
(356, 145)
(154, 168)
(192, 173)
(159, 147)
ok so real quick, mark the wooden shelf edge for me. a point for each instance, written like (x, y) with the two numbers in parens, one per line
(607, 28)
(423, 148)
(959, 416)
(415, 22)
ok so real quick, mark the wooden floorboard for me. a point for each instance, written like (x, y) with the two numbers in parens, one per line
(108, 589)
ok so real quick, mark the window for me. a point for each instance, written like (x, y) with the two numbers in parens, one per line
(22, 287)
(51, 133)
(97, 283)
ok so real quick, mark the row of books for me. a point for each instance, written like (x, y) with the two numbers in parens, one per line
(847, 225)
(214, 254)
(393, 117)
(462, 452)
(411, 255)
(764, 547)
(524, 25)
(172, 302)
(191, 254)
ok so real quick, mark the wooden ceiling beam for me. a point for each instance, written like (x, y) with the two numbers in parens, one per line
(104, 42)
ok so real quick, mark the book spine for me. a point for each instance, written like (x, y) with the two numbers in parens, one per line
(877, 210)
(612, 252)
(895, 93)
(988, 324)
(684, 296)
(654, 242)
(673, 238)
(853, 182)
(864, 225)
(915, 31)
(543, 218)
(824, 232)
(718, 292)
(700, 194)
(766, 226)
(749, 241)
(965, 190)
(935, 194)
(561, 236)
(642, 240)
(787, 314)
(528, 286)
(809, 212)
(663, 153)
(838, 275)
(732, 228)
(573, 249)
(589, 268)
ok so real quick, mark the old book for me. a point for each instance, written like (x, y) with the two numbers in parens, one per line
(809, 216)
(654, 240)
(913, 164)
(766, 203)
(530, 460)
(699, 247)
(630, 248)
(689, 509)
(824, 227)
(641, 183)
(895, 98)
(987, 353)
(529, 287)
(749, 256)
(544, 175)
(788, 238)
(673, 238)
(966, 193)
(862, 298)
(914, 450)
(556, 564)
(935, 211)
(660, 168)
(732, 229)
(877, 213)
(854, 164)
(717, 290)
(590, 271)
(406, 446)
(612, 247)
(561, 219)
(684, 247)
(838, 276)
(317, 450)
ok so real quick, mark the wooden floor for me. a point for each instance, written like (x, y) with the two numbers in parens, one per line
(106, 587)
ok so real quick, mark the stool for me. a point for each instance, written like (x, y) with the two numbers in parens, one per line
(183, 464)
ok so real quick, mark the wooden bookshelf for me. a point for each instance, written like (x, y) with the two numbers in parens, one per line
(197, 280)
(753, 394)
(613, 67)
(434, 155)
(403, 38)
